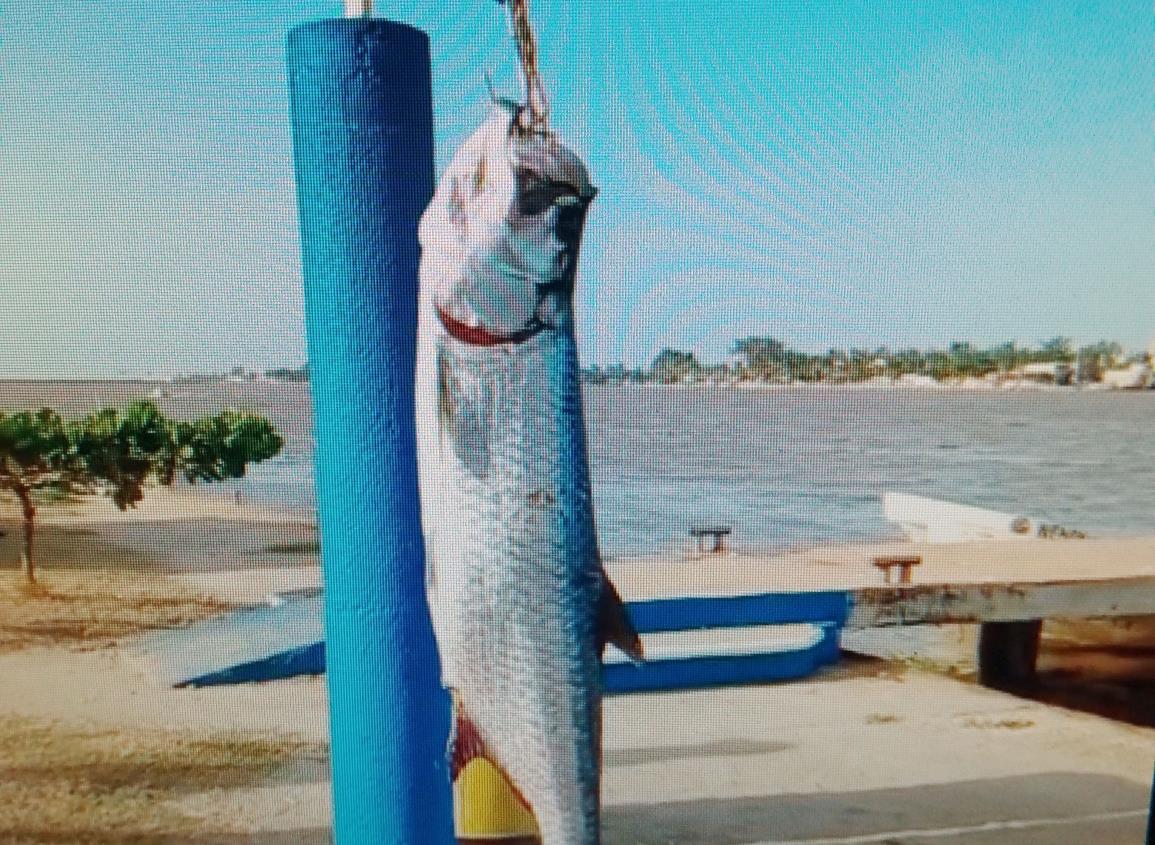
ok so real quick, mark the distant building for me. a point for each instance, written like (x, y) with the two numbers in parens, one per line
(917, 380)
(1047, 372)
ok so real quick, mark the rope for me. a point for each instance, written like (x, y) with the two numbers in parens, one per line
(537, 104)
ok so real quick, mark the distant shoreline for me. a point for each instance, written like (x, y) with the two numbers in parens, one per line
(977, 385)
(1016, 387)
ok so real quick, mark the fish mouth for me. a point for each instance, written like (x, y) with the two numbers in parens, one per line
(478, 335)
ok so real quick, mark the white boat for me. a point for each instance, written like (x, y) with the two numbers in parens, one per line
(925, 520)
(1133, 377)
(1046, 372)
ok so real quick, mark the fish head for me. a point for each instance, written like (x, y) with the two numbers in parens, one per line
(501, 237)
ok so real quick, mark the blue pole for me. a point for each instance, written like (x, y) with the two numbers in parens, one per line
(1151, 815)
(362, 118)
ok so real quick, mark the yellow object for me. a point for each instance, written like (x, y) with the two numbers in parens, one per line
(486, 807)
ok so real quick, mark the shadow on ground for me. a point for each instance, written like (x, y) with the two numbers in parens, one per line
(690, 751)
(1058, 807)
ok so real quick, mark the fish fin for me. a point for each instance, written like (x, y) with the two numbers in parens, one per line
(467, 745)
(463, 419)
(614, 624)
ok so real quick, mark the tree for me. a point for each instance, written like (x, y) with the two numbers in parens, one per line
(763, 355)
(673, 365)
(33, 456)
(115, 453)
(1058, 349)
(1092, 360)
(1006, 356)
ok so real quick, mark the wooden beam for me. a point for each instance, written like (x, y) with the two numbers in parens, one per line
(878, 607)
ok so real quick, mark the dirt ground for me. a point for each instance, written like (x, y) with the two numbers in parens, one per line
(93, 609)
(67, 783)
(1106, 667)
(1102, 666)
(66, 774)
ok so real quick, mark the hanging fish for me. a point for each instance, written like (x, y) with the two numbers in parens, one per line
(521, 605)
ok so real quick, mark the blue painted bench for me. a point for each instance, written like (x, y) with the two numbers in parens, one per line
(691, 642)
(713, 641)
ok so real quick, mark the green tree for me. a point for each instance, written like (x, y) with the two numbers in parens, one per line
(763, 356)
(1006, 356)
(1058, 349)
(673, 365)
(116, 452)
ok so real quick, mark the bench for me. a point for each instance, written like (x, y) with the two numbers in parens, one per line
(718, 532)
(905, 563)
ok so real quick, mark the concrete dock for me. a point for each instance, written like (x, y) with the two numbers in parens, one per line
(1008, 586)
(975, 581)
(846, 758)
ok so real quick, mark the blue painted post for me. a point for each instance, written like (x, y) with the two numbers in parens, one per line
(1151, 815)
(362, 120)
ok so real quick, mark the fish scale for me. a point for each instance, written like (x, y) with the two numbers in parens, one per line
(520, 602)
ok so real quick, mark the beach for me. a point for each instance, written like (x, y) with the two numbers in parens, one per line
(91, 748)
(105, 754)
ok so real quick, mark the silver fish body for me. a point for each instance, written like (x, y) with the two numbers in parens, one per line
(516, 588)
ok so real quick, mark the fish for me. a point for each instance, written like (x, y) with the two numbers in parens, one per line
(521, 605)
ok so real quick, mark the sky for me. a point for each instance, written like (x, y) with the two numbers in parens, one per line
(828, 172)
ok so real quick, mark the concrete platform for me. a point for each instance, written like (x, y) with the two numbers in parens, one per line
(976, 581)
(990, 581)
(261, 643)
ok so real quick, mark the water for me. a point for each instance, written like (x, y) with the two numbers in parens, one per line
(790, 466)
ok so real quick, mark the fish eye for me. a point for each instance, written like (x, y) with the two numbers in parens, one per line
(537, 194)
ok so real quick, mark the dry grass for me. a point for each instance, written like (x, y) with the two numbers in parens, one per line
(92, 609)
(63, 783)
(89, 594)
(991, 723)
(297, 547)
(72, 785)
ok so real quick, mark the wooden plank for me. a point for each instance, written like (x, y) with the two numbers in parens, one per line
(877, 607)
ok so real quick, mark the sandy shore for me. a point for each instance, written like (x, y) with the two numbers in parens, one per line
(868, 747)
(91, 749)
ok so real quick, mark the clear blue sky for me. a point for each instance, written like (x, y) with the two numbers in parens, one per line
(832, 173)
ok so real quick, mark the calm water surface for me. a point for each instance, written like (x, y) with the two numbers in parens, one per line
(789, 466)
(785, 466)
